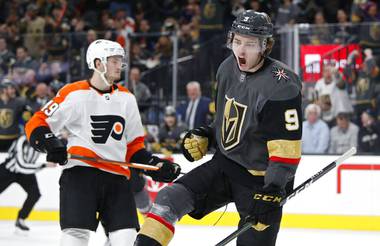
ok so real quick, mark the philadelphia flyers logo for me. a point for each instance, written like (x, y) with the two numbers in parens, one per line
(104, 126)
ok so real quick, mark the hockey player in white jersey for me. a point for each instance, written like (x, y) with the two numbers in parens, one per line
(103, 121)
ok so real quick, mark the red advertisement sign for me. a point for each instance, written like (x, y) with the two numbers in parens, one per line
(314, 56)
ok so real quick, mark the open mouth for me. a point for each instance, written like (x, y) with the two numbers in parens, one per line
(242, 61)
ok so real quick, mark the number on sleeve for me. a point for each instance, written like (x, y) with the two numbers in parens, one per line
(50, 108)
(291, 120)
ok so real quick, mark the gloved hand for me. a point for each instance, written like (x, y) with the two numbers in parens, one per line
(168, 171)
(266, 209)
(56, 151)
(196, 142)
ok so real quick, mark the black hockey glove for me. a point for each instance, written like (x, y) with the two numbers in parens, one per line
(168, 171)
(196, 143)
(266, 209)
(56, 150)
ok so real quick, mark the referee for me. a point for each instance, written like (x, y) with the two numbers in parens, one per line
(20, 167)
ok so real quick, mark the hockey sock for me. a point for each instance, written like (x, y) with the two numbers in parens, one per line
(75, 237)
(123, 237)
(157, 229)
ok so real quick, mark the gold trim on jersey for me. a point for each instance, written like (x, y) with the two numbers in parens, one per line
(6, 137)
(256, 172)
(284, 148)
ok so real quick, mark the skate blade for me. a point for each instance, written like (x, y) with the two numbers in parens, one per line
(20, 232)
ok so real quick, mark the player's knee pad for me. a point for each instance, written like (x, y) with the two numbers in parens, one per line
(75, 237)
(123, 237)
(143, 202)
(173, 202)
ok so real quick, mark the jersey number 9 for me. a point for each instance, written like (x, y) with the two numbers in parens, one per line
(291, 120)
(50, 108)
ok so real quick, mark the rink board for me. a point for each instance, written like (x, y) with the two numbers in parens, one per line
(346, 198)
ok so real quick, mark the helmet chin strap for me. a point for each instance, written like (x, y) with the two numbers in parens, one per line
(102, 75)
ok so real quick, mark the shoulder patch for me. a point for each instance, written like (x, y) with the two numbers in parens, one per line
(279, 73)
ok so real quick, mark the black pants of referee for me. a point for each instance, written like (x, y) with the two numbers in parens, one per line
(28, 182)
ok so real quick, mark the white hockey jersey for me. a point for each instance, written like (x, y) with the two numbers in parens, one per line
(101, 125)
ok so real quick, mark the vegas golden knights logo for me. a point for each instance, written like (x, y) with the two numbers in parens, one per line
(233, 119)
(6, 118)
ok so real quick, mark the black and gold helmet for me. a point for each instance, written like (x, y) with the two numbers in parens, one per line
(253, 23)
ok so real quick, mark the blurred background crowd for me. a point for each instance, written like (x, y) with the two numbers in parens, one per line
(43, 46)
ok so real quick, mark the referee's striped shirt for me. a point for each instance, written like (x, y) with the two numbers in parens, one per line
(22, 157)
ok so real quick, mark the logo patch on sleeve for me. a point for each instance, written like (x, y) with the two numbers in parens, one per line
(279, 73)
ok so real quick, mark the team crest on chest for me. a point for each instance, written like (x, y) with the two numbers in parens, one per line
(103, 126)
(279, 73)
(233, 118)
(6, 118)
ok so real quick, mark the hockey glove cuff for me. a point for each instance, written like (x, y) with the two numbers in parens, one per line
(266, 209)
(56, 151)
(168, 171)
(43, 140)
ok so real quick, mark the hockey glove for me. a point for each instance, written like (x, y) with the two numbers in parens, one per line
(56, 151)
(266, 209)
(196, 142)
(168, 171)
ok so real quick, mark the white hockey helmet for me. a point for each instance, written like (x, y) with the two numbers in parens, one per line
(102, 49)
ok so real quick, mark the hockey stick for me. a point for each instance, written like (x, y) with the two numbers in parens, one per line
(297, 190)
(118, 163)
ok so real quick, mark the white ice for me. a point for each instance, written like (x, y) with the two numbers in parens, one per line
(48, 234)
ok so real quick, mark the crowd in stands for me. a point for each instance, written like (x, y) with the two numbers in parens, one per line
(43, 45)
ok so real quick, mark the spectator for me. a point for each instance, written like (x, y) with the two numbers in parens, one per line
(34, 26)
(54, 87)
(139, 57)
(186, 41)
(371, 13)
(195, 112)
(365, 84)
(343, 29)
(287, 13)
(344, 135)
(140, 90)
(23, 60)
(13, 110)
(170, 132)
(7, 58)
(331, 90)
(258, 6)
(316, 133)
(369, 133)
(40, 97)
(146, 42)
(321, 33)
(163, 50)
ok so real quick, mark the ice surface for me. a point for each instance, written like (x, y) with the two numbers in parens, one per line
(48, 234)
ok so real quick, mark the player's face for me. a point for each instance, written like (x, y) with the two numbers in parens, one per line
(114, 67)
(247, 50)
